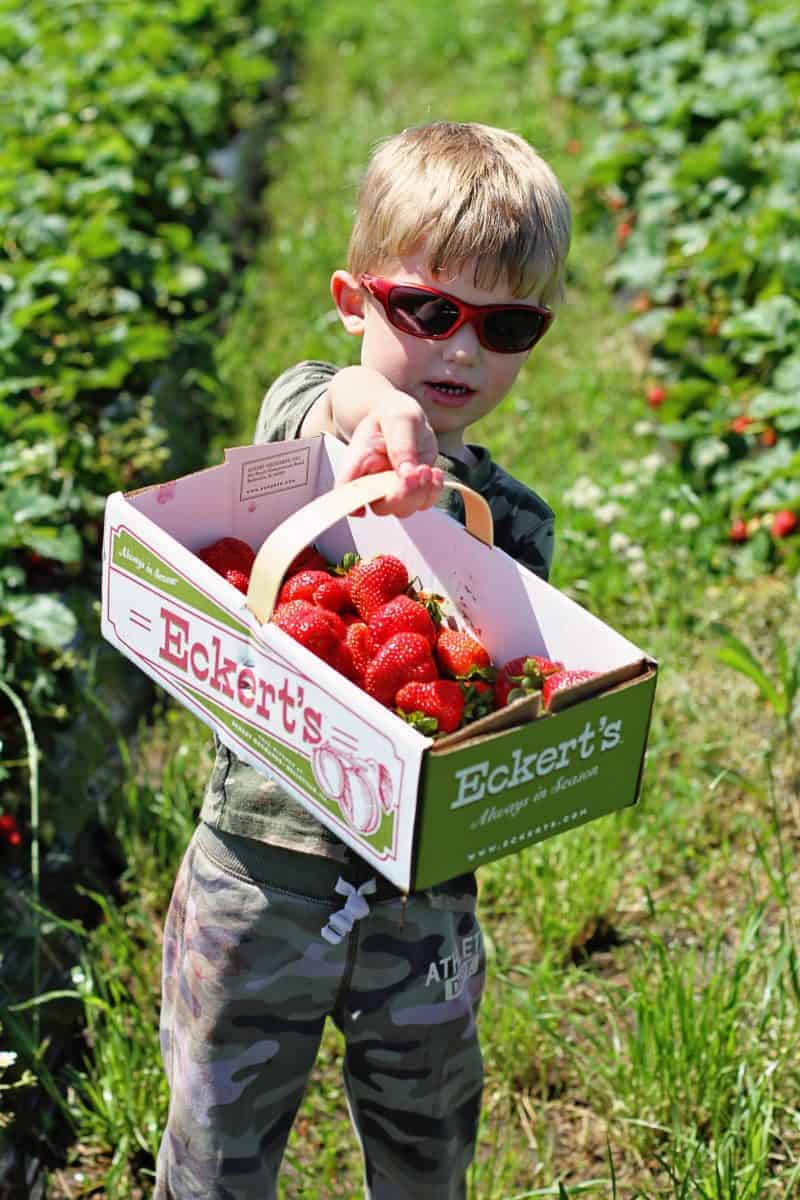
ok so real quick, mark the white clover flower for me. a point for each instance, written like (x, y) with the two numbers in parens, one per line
(709, 453)
(652, 462)
(643, 428)
(619, 541)
(7, 1059)
(626, 489)
(667, 516)
(638, 568)
(634, 552)
(689, 521)
(606, 513)
(629, 467)
(584, 493)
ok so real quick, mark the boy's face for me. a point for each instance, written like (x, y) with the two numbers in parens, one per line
(455, 380)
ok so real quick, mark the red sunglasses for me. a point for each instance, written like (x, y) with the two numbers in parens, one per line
(428, 313)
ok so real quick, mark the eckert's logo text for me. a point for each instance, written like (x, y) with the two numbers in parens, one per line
(482, 778)
(206, 661)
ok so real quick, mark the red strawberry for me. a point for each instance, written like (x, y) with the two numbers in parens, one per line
(374, 582)
(302, 585)
(342, 661)
(401, 615)
(460, 654)
(358, 640)
(563, 679)
(783, 523)
(441, 699)
(406, 657)
(309, 558)
(656, 395)
(228, 554)
(315, 628)
(239, 579)
(738, 531)
(524, 674)
(9, 830)
(332, 593)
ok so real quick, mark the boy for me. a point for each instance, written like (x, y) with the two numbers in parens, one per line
(456, 257)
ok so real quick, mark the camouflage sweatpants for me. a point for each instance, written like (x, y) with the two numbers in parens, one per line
(248, 981)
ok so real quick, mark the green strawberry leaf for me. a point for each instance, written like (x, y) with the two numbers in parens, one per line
(419, 720)
(42, 619)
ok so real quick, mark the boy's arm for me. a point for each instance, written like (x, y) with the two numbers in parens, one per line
(384, 428)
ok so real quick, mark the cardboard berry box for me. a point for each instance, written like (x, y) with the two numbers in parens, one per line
(420, 810)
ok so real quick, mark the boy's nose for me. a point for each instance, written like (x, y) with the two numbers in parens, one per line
(462, 346)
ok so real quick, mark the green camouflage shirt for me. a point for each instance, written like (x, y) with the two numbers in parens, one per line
(238, 798)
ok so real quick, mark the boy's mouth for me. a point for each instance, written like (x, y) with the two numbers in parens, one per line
(452, 395)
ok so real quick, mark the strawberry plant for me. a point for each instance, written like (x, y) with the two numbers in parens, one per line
(121, 224)
(699, 168)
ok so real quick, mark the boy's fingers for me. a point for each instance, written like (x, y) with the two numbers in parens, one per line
(380, 445)
(416, 490)
(409, 440)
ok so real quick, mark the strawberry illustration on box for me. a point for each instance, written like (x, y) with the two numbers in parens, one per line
(428, 698)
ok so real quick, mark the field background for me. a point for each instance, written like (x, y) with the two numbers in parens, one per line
(641, 1025)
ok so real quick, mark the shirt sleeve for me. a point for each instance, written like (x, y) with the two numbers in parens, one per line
(524, 523)
(286, 404)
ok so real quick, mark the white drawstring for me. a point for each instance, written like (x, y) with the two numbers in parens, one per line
(356, 907)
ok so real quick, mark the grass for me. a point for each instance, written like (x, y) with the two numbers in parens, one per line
(641, 1025)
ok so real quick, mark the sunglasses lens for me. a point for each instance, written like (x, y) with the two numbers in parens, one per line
(421, 313)
(513, 330)
(425, 314)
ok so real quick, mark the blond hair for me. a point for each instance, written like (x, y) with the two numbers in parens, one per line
(469, 195)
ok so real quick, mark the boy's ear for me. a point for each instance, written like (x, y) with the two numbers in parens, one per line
(348, 296)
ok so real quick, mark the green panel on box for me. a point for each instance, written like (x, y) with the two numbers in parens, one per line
(131, 555)
(496, 796)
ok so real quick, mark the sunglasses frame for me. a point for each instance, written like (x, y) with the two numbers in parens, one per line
(468, 314)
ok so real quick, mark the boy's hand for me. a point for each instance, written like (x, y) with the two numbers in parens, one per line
(399, 441)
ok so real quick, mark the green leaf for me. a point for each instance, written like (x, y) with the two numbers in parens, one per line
(22, 504)
(42, 619)
(62, 544)
(736, 654)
